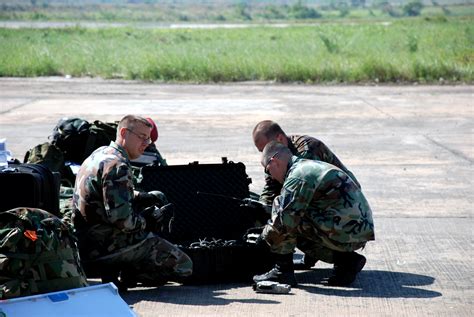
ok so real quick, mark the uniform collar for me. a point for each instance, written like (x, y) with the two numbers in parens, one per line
(291, 163)
(119, 148)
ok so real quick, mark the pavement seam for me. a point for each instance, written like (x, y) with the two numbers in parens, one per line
(19, 106)
(379, 110)
(452, 151)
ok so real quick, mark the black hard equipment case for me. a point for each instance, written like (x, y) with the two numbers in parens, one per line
(207, 199)
(209, 223)
(29, 185)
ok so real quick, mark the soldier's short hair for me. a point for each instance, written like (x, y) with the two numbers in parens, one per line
(130, 122)
(274, 148)
(267, 128)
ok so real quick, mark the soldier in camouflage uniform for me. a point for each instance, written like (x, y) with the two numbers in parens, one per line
(111, 234)
(302, 146)
(321, 203)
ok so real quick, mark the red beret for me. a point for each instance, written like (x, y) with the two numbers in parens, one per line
(154, 130)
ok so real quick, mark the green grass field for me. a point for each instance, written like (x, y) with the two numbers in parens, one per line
(399, 50)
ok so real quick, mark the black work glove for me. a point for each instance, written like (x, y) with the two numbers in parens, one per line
(151, 214)
(253, 236)
(147, 199)
(166, 220)
(158, 219)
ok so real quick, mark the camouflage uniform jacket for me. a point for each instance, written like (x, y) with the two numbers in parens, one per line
(305, 147)
(318, 199)
(103, 194)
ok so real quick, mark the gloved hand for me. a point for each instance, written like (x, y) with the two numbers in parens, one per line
(147, 199)
(151, 215)
(158, 219)
(254, 236)
(166, 221)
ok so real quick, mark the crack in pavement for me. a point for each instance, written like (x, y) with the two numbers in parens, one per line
(456, 153)
(452, 151)
(19, 106)
(378, 109)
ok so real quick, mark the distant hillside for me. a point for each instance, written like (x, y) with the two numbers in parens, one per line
(224, 2)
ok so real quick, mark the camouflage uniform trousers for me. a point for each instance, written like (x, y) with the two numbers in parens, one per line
(151, 260)
(315, 244)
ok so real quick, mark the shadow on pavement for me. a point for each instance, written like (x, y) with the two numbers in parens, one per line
(370, 283)
(204, 295)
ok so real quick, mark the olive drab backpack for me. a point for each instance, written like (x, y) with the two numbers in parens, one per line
(38, 254)
(46, 154)
(50, 156)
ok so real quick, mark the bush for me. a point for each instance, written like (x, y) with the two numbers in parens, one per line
(300, 11)
(387, 8)
(273, 12)
(344, 11)
(243, 11)
(413, 8)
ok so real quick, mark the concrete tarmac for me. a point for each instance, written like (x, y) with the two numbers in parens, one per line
(411, 148)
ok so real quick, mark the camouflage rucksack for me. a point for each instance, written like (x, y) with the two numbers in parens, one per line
(38, 254)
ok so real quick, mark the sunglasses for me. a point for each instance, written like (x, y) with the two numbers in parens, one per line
(268, 162)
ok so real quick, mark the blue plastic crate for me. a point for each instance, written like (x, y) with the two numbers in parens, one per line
(96, 300)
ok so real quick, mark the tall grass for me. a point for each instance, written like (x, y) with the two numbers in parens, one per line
(404, 50)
